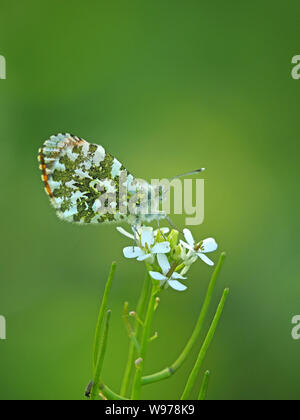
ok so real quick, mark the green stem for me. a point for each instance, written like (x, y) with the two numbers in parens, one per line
(204, 348)
(137, 383)
(103, 308)
(204, 387)
(169, 371)
(141, 309)
(98, 370)
(130, 330)
(109, 394)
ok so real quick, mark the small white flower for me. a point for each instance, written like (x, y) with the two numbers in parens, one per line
(200, 249)
(188, 256)
(125, 233)
(131, 236)
(148, 247)
(163, 278)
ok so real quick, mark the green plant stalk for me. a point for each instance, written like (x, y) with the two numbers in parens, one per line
(130, 330)
(103, 308)
(169, 371)
(137, 382)
(109, 394)
(203, 390)
(98, 370)
(141, 309)
(193, 376)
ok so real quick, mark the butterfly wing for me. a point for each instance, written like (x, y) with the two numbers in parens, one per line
(71, 167)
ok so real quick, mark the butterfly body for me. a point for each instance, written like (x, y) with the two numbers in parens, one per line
(78, 175)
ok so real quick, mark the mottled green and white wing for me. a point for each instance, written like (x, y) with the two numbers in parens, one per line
(72, 169)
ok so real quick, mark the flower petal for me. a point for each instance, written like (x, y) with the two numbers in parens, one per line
(163, 263)
(133, 252)
(187, 246)
(162, 230)
(177, 276)
(209, 245)
(161, 248)
(144, 257)
(176, 285)
(147, 236)
(157, 276)
(205, 259)
(189, 237)
(125, 233)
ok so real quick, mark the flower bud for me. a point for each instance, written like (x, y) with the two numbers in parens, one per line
(176, 253)
(173, 238)
(138, 362)
(159, 237)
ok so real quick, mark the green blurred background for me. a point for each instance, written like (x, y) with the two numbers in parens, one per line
(166, 86)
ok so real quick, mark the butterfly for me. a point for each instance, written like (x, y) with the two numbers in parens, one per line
(80, 177)
(86, 184)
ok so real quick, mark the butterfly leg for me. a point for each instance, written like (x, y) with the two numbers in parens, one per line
(161, 232)
(136, 233)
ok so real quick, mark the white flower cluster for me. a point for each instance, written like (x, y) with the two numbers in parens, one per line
(168, 259)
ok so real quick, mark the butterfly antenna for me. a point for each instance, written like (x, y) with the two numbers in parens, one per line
(197, 171)
(173, 225)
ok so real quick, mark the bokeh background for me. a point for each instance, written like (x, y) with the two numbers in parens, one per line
(166, 86)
